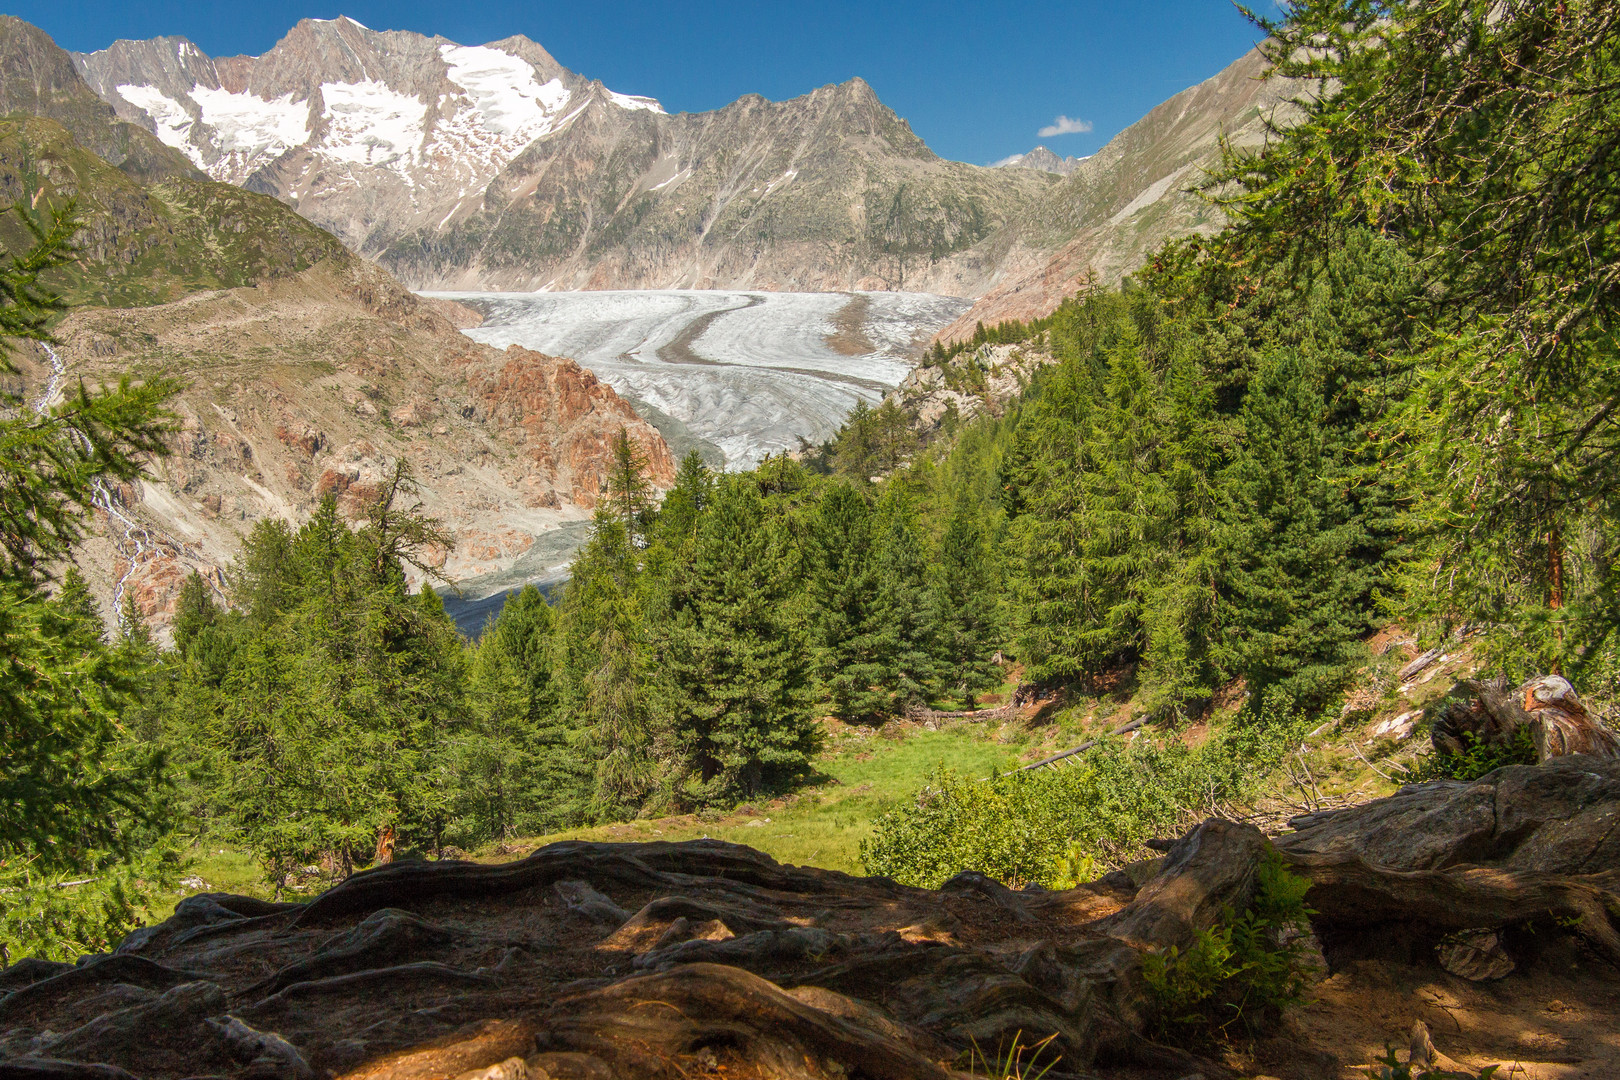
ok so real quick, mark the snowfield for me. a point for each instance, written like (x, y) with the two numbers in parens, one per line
(495, 107)
(753, 373)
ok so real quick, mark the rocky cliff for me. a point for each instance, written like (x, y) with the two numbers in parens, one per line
(640, 961)
(1043, 159)
(313, 384)
(495, 167)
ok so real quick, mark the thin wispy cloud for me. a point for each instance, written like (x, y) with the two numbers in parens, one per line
(1065, 125)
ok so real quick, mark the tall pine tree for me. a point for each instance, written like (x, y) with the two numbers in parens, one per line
(734, 656)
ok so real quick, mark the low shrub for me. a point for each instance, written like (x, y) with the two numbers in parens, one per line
(1479, 757)
(1059, 826)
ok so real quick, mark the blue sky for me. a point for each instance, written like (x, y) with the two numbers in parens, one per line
(977, 81)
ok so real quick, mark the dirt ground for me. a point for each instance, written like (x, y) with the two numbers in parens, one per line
(1557, 1017)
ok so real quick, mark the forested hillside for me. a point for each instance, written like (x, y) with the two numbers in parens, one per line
(1386, 391)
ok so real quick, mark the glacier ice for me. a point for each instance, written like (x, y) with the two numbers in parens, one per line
(632, 101)
(170, 121)
(506, 97)
(751, 372)
(250, 125)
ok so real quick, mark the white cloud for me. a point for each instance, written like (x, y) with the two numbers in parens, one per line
(1013, 160)
(1065, 125)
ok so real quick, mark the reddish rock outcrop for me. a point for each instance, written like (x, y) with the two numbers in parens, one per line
(565, 420)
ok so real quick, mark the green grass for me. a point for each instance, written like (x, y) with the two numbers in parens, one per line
(823, 824)
(221, 869)
(860, 774)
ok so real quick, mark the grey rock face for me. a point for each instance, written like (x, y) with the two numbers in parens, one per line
(1042, 160)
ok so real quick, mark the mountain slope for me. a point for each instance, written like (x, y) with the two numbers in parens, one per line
(827, 191)
(40, 80)
(1116, 206)
(494, 165)
(367, 134)
(305, 369)
(312, 384)
(145, 244)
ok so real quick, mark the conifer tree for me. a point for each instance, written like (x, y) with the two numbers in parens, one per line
(513, 771)
(1481, 138)
(604, 669)
(627, 489)
(843, 596)
(904, 617)
(966, 593)
(734, 658)
(194, 611)
(330, 717)
(75, 801)
(686, 501)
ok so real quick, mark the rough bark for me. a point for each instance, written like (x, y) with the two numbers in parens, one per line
(1346, 891)
(1559, 721)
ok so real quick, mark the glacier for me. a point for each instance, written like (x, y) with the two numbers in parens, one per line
(751, 373)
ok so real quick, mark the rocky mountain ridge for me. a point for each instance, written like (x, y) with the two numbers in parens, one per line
(494, 165)
(1100, 222)
(368, 134)
(40, 80)
(1042, 159)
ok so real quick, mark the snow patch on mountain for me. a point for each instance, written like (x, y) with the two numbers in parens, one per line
(506, 97)
(249, 130)
(506, 108)
(631, 101)
(170, 121)
(370, 123)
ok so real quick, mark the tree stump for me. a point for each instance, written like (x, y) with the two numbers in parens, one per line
(1547, 705)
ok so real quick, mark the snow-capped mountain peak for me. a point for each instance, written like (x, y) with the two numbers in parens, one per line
(422, 124)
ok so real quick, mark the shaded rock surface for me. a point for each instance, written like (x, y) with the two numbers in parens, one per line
(709, 959)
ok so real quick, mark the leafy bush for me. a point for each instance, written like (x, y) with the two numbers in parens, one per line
(1480, 757)
(1053, 826)
(1240, 974)
(62, 917)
